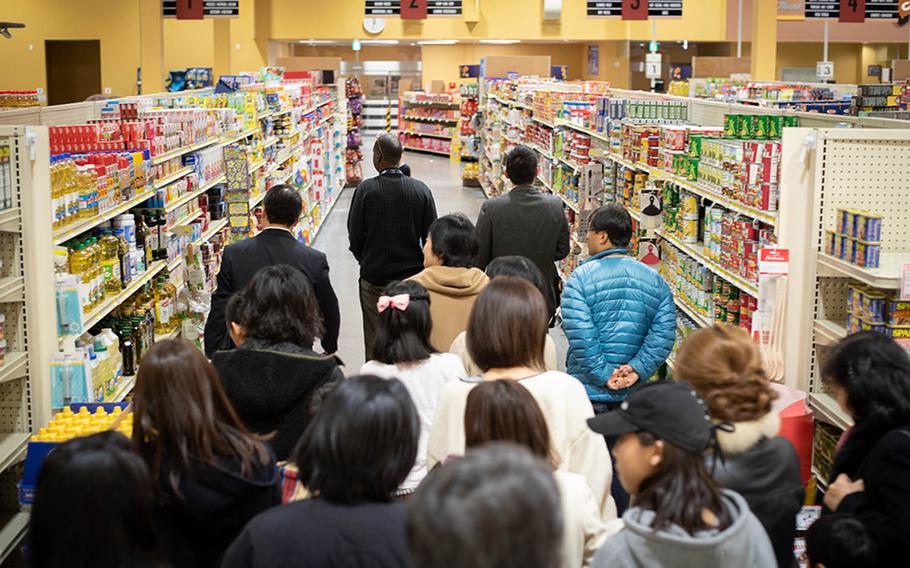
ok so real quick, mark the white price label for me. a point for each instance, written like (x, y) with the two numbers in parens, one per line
(824, 70)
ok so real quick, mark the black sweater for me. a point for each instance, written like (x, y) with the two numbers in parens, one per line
(388, 223)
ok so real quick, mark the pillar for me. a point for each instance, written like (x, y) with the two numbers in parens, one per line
(222, 47)
(151, 46)
(764, 40)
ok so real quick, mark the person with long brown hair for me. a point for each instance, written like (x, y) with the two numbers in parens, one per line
(506, 335)
(505, 411)
(724, 366)
(211, 475)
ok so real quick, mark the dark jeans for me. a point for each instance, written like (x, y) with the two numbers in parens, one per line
(616, 489)
(369, 295)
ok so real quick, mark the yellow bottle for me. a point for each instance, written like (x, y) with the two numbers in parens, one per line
(110, 263)
(97, 272)
(164, 309)
(80, 265)
(171, 291)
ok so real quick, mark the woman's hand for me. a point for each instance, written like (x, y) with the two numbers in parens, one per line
(842, 487)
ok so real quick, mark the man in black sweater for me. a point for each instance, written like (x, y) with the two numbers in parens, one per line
(275, 244)
(524, 222)
(387, 226)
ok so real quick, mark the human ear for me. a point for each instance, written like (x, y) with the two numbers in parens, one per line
(657, 454)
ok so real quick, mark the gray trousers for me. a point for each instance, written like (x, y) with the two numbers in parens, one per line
(369, 295)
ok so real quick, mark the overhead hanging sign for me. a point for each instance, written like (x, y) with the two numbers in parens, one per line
(210, 8)
(655, 8)
(853, 10)
(414, 10)
(393, 7)
(634, 9)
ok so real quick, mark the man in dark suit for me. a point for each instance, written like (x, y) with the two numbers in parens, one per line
(524, 222)
(387, 226)
(275, 244)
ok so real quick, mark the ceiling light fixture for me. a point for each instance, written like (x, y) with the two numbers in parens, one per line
(500, 41)
(437, 42)
(380, 42)
(318, 41)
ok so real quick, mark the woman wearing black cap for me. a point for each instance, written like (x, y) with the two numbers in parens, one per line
(679, 517)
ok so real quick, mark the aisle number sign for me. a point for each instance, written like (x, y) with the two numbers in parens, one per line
(824, 70)
(413, 9)
(853, 10)
(375, 8)
(635, 9)
(189, 9)
(653, 64)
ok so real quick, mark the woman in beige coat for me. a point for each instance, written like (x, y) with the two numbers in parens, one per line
(449, 277)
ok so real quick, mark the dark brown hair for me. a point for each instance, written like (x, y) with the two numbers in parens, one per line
(724, 366)
(679, 490)
(504, 410)
(183, 416)
(508, 325)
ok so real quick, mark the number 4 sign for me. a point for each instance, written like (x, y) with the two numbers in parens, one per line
(413, 9)
(852, 11)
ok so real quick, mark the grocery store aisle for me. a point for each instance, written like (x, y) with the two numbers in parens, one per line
(444, 179)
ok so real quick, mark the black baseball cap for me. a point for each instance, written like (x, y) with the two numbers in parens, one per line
(670, 410)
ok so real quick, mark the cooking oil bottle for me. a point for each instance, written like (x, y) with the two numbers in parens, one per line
(97, 273)
(171, 292)
(163, 309)
(110, 263)
(80, 264)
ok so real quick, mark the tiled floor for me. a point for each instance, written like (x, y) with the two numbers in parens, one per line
(444, 179)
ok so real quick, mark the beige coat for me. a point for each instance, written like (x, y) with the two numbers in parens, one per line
(453, 291)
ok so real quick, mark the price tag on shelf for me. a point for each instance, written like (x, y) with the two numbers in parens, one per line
(905, 282)
(773, 262)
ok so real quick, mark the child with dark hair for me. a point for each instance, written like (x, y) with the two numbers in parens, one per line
(402, 350)
(101, 474)
(840, 541)
(274, 371)
(354, 455)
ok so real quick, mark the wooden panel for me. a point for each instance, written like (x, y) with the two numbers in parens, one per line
(502, 65)
(704, 67)
(901, 69)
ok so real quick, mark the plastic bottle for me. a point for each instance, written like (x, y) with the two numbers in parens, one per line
(171, 292)
(128, 223)
(163, 309)
(161, 221)
(151, 236)
(97, 274)
(110, 263)
(126, 261)
(79, 265)
(141, 245)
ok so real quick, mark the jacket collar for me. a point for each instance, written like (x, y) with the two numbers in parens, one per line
(278, 232)
(608, 252)
(746, 434)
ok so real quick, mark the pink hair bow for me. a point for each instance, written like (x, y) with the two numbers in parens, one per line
(399, 302)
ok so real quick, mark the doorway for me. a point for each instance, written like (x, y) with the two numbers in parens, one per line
(73, 70)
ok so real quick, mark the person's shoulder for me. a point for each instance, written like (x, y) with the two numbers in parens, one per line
(557, 381)
(897, 440)
(450, 362)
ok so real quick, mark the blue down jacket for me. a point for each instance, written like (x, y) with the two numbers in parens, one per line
(616, 310)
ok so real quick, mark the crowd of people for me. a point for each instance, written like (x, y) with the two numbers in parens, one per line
(460, 444)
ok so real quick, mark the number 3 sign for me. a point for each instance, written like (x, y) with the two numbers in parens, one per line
(413, 9)
(634, 9)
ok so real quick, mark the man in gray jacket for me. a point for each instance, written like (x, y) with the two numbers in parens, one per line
(524, 222)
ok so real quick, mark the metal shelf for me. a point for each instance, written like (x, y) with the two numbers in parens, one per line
(271, 142)
(169, 179)
(582, 129)
(214, 227)
(440, 152)
(168, 207)
(427, 134)
(66, 233)
(12, 289)
(184, 150)
(428, 119)
(695, 252)
(243, 135)
(544, 122)
(572, 206)
(9, 219)
(14, 366)
(888, 276)
(698, 318)
(12, 448)
(14, 530)
(126, 386)
(828, 410)
(828, 332)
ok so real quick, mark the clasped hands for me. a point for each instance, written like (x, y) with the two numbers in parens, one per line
(840, 488)
(623, 377)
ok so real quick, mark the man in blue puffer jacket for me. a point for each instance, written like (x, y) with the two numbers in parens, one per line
(618, 314)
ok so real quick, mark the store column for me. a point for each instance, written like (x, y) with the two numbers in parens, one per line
(151, 46)
(764, 41)
(222, 47)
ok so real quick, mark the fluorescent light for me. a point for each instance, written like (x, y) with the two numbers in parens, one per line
(380, 42)
(500, 41)
(437, 42)
(317, 41)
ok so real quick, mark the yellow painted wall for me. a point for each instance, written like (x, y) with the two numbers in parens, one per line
(367, 52)
(847, 58)
(613, 65)
(505, 19)
(441, 61)
(116, 24)
(188, 43)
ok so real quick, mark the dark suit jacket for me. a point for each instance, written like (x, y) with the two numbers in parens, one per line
(240, 263)
(528, 223)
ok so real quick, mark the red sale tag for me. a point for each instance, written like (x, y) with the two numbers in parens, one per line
(190, 9)
(852, 11)
(634, 9)
(774, 261)
(413, 9)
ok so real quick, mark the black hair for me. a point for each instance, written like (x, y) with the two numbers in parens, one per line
(497, 507)
(613, 219)
(875, 373)
(362, 442)
(93, 506)
(454, 241)
(840, 541)
(234, 310)
(519, 267)
(403, 336)
(405, 169)
(389, 150)
(283, 205)
(521, 165)
(279, 306)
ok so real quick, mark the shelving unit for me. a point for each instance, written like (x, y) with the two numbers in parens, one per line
(416, 120)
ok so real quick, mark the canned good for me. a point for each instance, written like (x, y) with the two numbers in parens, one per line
(867, 227)
(866, 254)
(855, 298)
(692, 169)
(830, 239)
(695, 142)
(689, 230)
(731, 125)
(900, 335)
(897, 312)
(744, 126)
(873, 306)
(843, 247)
(790, 121)
(760, 126)
(878, 327)
(775, 126)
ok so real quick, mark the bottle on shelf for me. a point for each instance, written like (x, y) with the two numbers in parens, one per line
(110, 263)
(151, 236)
(163, 309)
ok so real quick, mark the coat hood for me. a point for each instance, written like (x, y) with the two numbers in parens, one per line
(675, 547)
(453, 280)
(212, 486)
(746, 434)
(264, 382)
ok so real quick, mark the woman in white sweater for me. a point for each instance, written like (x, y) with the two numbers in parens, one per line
(506, 334)
(402, 350)
(504, 410)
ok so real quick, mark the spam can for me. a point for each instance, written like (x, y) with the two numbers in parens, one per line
(865, 254)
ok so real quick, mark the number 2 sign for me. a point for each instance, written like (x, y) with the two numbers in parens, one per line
(634, 9)
(852, 11)
(413, 9)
